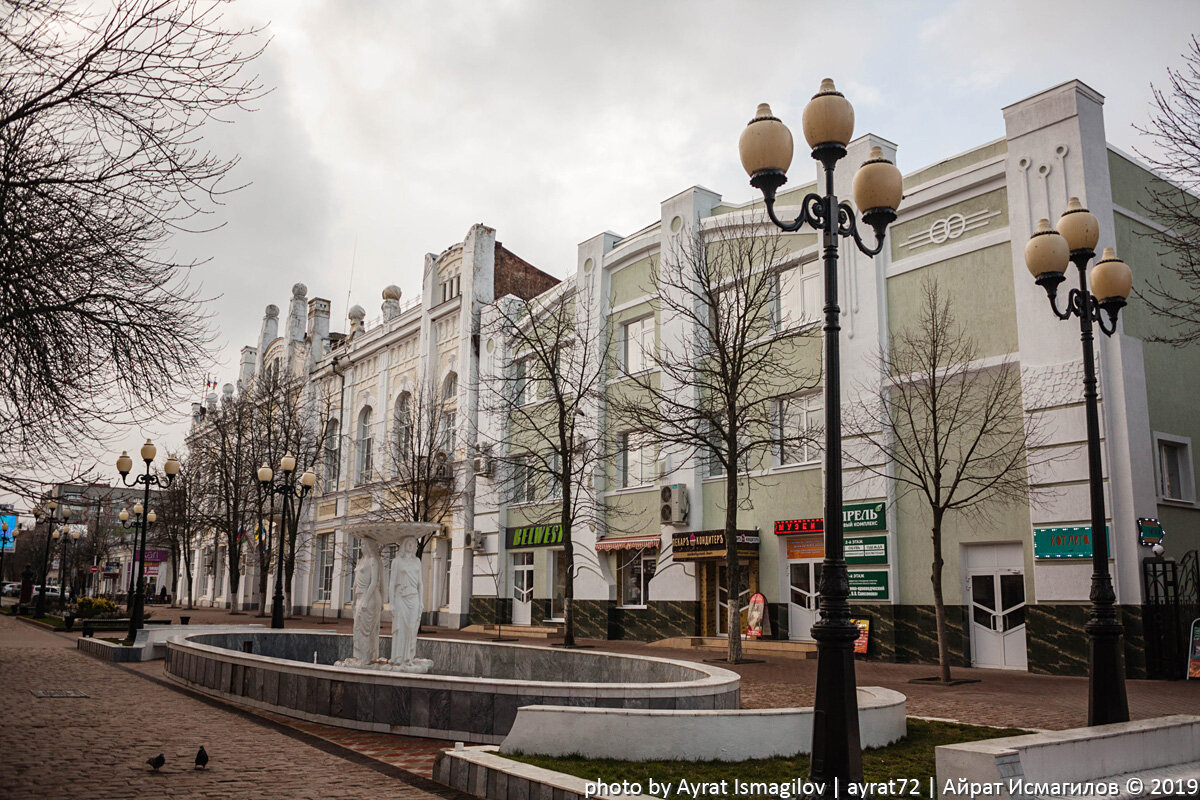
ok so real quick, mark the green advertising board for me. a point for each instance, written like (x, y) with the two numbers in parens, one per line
(864, 517)
(535, 536)
(868, 584)
(1068, 542)
(866, 549)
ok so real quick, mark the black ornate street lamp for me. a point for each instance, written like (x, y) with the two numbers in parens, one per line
(171, 469)
(135, 525)
(50, 516)
(63, 535)
(1047, 255)
(287, 489)
(766, 152)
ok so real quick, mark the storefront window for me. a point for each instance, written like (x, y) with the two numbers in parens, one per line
(635, 568)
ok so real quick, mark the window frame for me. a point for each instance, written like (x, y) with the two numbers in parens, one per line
(645, 355)
(640, 556)
(1187, 478)
(625, 449)
(814, 403)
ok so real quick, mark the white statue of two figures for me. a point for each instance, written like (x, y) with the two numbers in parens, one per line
(404, 593)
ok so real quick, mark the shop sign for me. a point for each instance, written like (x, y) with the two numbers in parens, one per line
(154, 555)
(809, 546)
(1150, 532)
(790, 527)
(699, 545)
(866, 549)
(868, 584)
(535, 536)
(112, 567)
(855, 517)
(1072, 542)
(864, 517)
(150, 569)
(757, 617)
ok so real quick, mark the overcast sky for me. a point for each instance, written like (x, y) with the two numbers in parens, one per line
(394, 126)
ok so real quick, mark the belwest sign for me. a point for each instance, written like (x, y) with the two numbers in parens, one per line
(535, 536)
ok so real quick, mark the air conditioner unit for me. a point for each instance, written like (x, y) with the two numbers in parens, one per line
(674, 504)
(483, 465)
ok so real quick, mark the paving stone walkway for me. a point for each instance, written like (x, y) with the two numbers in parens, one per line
(96, 746)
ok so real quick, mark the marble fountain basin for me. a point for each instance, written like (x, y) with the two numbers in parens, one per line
(471, 694)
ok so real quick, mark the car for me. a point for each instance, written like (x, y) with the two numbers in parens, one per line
(12, 589)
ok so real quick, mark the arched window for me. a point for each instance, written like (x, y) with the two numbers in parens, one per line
(449, 404)
(365, 464)
(332, 451)
(404, 425)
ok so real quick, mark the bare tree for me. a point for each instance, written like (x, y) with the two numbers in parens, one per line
(183, 523)
(420, 481)
(946, 427)
(222, 450)
(548, 446)
(1174, 152)
(101, 161)
(715, 388)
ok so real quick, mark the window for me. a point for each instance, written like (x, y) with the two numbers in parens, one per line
(363, 457)
(1175, 481)
(637, 343)
(451, 288)
(332, 446)
(449, 404)
(635, 568)
(324, 573)
(635, 463)
(799, 297)
(521, 383)
(523, 480)
(554, 485)
(404, 425)
(798, 419)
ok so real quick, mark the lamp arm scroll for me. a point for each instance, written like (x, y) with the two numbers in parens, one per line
(848, 226)
(812, 213)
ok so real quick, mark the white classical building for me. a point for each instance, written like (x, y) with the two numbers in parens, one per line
(1016, 579)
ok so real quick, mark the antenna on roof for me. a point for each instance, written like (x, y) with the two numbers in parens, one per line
(350, 284)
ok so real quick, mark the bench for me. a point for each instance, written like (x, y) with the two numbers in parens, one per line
(90, 626)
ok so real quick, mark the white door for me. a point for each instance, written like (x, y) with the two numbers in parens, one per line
(804, 579)
(522, 588)
(996, 599)
(723, 601)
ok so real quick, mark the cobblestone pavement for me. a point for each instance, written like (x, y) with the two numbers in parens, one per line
(1004, 698)
(96, 746)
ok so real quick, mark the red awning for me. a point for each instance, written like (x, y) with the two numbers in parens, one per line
(653, 541)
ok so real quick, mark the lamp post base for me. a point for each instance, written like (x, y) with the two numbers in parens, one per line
(836, 747)
(1107, 701)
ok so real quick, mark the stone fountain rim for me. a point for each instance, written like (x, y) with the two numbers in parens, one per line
(712, 675)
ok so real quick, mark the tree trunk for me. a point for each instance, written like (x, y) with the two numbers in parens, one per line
(568, 554)
(235, 576)
(939, 603)
(174, 576)
(732, 568)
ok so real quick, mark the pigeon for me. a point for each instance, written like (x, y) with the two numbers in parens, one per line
(157, 761)
(201, 758)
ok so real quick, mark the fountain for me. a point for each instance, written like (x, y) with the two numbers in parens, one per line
(440, 688)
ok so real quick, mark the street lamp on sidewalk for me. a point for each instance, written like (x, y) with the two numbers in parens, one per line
(51, 515)
(1047, 255)
(766, 152)
(288, 490)
(124, 466)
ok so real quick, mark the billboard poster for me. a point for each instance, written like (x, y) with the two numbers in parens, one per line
(864, 635)
(1194, 651)
(756, 616)
(8, 542)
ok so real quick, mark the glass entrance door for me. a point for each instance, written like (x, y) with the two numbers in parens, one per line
(558, 590)
(805, 580)
(522, 588)
(998, 619)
